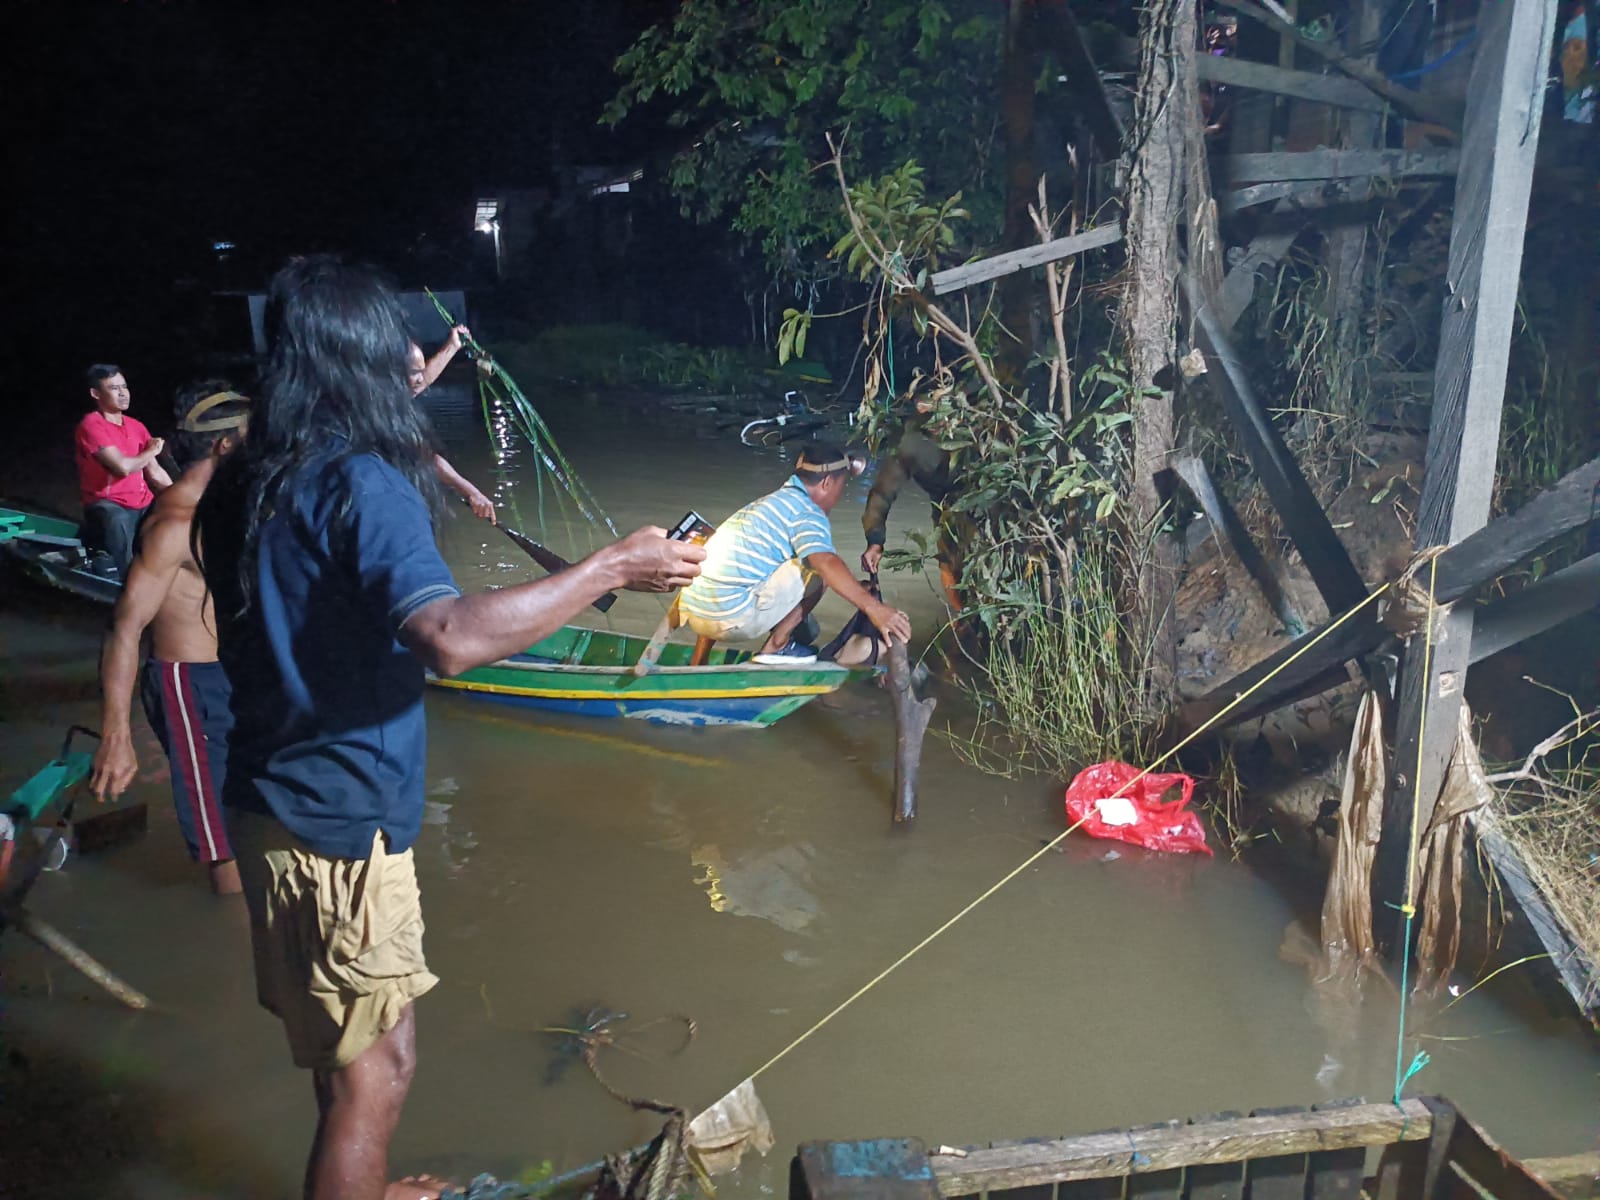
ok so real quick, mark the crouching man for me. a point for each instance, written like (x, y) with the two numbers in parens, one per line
(767, 565)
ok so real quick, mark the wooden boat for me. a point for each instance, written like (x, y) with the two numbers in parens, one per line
(1426, 1150)
(48, 550)
(590, 672)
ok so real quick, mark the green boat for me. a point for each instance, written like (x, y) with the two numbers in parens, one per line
(48, 550)
(590, 672)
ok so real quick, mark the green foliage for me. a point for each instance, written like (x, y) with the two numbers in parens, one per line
(895, 208)
(1048, 564)
(1068, 686)
(792, 335)
(622, 356)
(756, 84)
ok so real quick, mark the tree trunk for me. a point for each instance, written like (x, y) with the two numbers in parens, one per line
(1168, 105)
(1345, 251)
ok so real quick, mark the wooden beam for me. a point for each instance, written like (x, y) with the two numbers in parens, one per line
(1265, 193)
(1336, 164)
(1500, 139)
(985, 269)
(1304, 667)
(1508, 540)
(1462, 569)
(1099, 1155)
(1302, 85)
(1572, 966)
(1302, 516)
(1415, 104)
(1226, 523)
(1536, 608)
(1474, 1154)
(881, 1169)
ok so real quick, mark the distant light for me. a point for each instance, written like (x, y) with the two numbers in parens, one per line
(618, 185)
(487, 216)
(221, 246)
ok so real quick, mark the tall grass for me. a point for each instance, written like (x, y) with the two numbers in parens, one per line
(1066, 682)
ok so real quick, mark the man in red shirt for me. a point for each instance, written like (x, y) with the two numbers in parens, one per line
(117, 467)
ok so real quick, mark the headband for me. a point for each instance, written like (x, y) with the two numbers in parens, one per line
(827, 468)
(192, 423)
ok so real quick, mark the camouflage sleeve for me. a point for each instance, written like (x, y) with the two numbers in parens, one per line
(892, 476)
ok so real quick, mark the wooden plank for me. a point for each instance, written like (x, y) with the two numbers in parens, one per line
(1416, 104)
(881, 1169)
(1265, 193)
(1493, 550)
(1302, 85)
(1400, 1171)
(1500, 139)
(1225, 521)
(1035, 1191)
(1265, 251)
(1570, 1176)
(985, 269)
(1215, 1181)
(1274, 165)
(1532, 610)
(1277, 1176)
(1572, 965)
(1097, 1156)
(1336, 1174)
(1462, 569)
(1147, 1180)
(1498, 1174)
(1302, 516)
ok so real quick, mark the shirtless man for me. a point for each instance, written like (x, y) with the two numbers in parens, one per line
(184, 690)
(423, 372)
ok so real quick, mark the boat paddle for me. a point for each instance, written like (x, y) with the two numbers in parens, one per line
(549, 560)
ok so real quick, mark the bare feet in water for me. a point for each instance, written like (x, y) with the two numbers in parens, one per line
(416, 1187)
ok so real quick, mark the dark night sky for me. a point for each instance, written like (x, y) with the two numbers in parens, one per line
(139, 132)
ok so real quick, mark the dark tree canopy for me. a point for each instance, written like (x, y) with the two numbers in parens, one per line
(755, 85)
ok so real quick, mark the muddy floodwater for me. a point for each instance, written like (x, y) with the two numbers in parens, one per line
(749, 880)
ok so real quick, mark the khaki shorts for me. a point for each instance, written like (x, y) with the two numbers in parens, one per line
(770, 603)
(337, 941)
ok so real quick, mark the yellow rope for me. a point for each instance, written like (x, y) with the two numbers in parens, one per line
(1204, 727)
(1410, 906)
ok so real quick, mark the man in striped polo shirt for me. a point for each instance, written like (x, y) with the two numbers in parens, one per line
(767, 565)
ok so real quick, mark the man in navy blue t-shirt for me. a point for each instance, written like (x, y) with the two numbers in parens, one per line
(331, 599)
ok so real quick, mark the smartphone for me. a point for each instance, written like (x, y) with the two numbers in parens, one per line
(692, 528)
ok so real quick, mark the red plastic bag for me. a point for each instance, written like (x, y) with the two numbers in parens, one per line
(1100, 797)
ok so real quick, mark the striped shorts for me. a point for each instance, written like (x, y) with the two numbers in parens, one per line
(187, 706)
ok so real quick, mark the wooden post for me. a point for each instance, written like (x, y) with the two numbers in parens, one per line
(1505, 101)
(911, 718)
(79, 959)
(1308, 527)
(1345, 248)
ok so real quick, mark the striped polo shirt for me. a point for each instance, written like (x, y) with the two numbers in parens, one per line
(753, 543)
